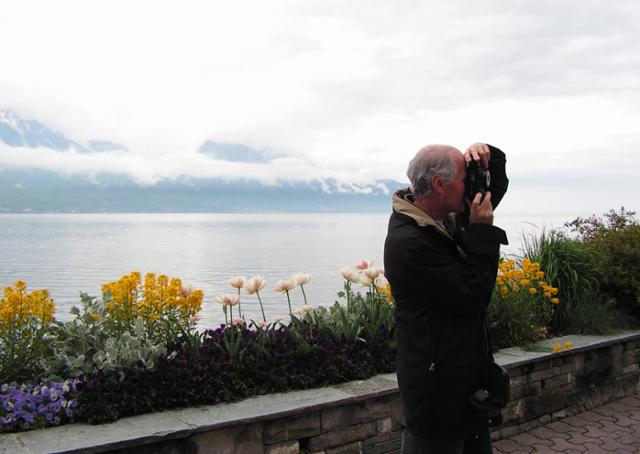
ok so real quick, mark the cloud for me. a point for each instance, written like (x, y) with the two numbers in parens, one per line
(345, 91)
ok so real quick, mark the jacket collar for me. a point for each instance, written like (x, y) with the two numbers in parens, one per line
(403, 204)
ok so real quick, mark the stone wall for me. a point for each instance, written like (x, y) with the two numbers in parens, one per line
(563, 384)
(356, 417)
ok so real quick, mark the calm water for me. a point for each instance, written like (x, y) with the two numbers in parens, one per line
(69, 253)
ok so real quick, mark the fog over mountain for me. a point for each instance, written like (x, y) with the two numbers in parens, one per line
(50, 183)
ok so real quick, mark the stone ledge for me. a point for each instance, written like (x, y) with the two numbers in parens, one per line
(182, 423)
(516, 356)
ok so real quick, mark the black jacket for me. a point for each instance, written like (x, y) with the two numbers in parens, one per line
(442, 280)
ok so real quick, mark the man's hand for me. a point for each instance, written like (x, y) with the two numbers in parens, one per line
(478, 152)
(481, 211)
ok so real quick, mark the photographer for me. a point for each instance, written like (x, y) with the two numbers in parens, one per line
(441, 259)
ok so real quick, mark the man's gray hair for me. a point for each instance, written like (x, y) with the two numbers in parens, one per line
(430, 161)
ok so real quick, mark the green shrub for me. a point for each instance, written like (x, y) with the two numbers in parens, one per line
(615, 241)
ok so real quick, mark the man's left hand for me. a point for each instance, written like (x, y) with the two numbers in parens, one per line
(478, 152)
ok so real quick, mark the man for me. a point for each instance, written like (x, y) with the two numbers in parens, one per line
(441, 258)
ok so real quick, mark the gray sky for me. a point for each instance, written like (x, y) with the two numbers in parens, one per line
(343, 89)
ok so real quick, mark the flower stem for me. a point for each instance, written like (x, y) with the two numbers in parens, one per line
(304, 295)
(289, 301)
(264, 318)
(239, 305)
(348, 286)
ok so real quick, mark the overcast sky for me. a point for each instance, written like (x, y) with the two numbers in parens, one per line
(344, 89)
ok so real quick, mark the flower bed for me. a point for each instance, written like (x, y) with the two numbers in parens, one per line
(137, 350)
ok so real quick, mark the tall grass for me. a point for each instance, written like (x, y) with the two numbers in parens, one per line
(571, 265)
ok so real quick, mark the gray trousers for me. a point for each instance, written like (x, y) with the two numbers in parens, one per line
(478, 444)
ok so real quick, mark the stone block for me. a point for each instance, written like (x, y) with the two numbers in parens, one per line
(514, 411)
(355, 413)
(559, 415)
(540, 365)
(526, 390)
(617, 358)
(285, 447)
(559, 380)
(384, 425)
(397, 413)
(303, 426)
(543, 374)
(164, 447)
(340, 437)
(546, 402)
(274, 431)
(630, 357)
(630, 368)
(234, 440)
(351, 448)
(578, 364)
(292, 427)
(520, 380)
(383, 444)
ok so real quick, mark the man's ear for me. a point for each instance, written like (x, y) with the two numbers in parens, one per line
(437, 184)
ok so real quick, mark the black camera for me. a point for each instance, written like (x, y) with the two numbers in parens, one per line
(476, 180)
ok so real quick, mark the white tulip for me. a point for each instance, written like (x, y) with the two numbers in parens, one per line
(349, 274)
(255, 284)
(237, 281)
(285, 286)
(301, 279)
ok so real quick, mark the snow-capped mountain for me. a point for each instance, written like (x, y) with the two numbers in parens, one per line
(19, 132)
(37, 189)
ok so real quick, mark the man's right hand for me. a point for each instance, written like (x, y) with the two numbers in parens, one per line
(481, 211)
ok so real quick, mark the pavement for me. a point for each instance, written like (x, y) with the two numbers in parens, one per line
(614, 427)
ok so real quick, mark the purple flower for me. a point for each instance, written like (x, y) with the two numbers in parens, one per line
(55, 406)
(26, 406)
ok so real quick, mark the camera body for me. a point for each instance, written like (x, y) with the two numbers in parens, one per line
(476, 180)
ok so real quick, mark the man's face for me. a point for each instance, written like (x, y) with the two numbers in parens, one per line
(454, 191)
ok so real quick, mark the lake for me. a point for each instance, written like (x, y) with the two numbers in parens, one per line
(69, 253)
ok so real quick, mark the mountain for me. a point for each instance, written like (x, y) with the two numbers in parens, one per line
(233, 152)
(19, 132)
(37, 190)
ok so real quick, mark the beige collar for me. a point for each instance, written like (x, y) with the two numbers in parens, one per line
(402, 203)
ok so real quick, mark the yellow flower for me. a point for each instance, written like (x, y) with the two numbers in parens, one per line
(556, 348)
(387, 291)
(568, 345)
(525, 282)
(504, 290)
(533, 290)
(20, 309)
(159, 296)
(555, 300)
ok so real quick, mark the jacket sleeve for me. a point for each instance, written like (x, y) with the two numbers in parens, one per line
(498, 171)
(451, 284)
